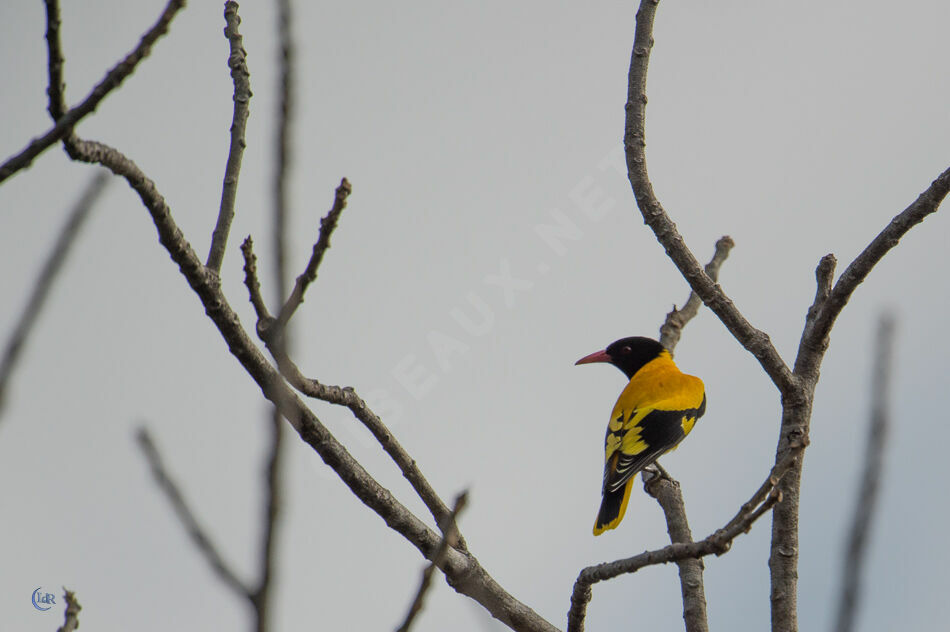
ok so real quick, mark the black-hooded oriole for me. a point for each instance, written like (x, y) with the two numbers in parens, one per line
(655, 411)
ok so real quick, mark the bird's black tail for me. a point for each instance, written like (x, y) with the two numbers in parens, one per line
(612, 508)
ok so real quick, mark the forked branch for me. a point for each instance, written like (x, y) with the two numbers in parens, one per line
(816, 336)
(719, 542)
(113, 79)
(327, 226)
(754, 340)
(463, 572)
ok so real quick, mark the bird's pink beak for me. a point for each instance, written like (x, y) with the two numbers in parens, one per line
(597, 356)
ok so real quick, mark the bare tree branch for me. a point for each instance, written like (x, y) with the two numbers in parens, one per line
(327, 226)
(198, 536)
(796, 387)
(284, 117)
(71, 621)
(273, 484)
(266, 326)
(449, 540)
(253, 284)
(664, 488)
(347, 396)
(91, 151)
(44, 282)
(462, 570)
(672, 328)
(670, 497)
(719, 542)
(57, 87)
(778, 472)
(860, 532)
(796, 413)
(754, 340)
(824, 278)
(237, 62)
(815, 339)
(342, 397)
(113, 79)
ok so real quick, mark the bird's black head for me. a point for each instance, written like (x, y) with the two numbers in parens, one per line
(627, 354)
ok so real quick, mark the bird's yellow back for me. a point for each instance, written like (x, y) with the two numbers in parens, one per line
(660, 385)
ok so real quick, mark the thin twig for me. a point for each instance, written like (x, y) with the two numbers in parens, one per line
(824, 276)
(113, 79)
(198, 536)
(49, 272)
(71, 621)
(716, 543)
(776, 474)
(754, 340)
(284, 118)
(57, 88)
(241, 77)
(327, 226)
(860, 532)
(272, 505)
(252, 282)
(449, 540)
(346, 396)
(672, 327)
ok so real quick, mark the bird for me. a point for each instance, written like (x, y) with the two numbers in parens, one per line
(655, 411)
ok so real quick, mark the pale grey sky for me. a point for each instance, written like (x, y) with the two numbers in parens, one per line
(466, 129)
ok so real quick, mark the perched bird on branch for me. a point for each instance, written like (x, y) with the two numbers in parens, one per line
(655, 411)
